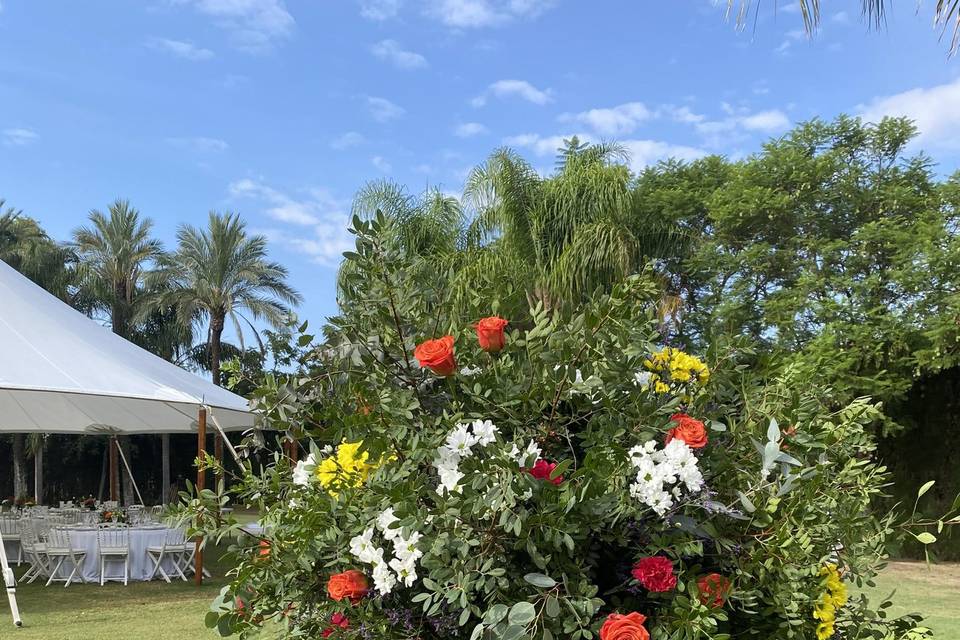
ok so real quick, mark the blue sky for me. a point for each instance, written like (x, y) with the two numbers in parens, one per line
(282, 109)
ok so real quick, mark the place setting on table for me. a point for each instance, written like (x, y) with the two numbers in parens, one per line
(96, 542)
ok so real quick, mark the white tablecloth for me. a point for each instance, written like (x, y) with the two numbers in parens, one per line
(141, 565)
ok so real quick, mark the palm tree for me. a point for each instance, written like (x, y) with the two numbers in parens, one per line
(566, 235)
(221, 273)
(946, 13)
(118, 253)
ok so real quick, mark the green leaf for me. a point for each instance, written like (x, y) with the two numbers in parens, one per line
(926, 487)
(773, 431)
(514, 632)
(745, 501)
(925, 537)
(464, 617)
(522, 614)
(496, 613)
(540, 580)
(552, 606)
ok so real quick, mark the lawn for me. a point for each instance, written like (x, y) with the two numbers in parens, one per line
(158, 611)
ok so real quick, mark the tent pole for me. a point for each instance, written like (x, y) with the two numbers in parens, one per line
(114, 471)
(133, 480)
(165, 472)
(10, 581)
(201, 484)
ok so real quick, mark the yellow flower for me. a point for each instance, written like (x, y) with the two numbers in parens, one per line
(661, 387)
(347, 468)
(825, 610)
(825, 630)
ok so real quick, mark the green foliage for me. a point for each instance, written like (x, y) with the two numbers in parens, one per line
(789, 480)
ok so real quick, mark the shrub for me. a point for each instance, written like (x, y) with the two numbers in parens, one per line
(581, 481)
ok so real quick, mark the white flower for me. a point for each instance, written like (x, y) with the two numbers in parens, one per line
(383, 578)
(406, 571)
(470, 371)
(303, 471)
(521, 457)
(657, 470)
(384, 520)
(406, 548)
(363, 549)
(327, 449)
(460, 441)
(449, 480)
(642, 379)
(485, 432)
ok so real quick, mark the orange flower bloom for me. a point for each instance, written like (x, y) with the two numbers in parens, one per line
(688, 429)
(490, 333)
(437, 355)
(714, 589)
(350, 584)
(628, 627)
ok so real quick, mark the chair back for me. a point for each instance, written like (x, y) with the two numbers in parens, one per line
(58, 538)
(175, 537)
(110, 505)
(28, 535)
(9, 525)
(113, 537)
(89, 517)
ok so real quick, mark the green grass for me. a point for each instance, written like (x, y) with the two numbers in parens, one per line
(160, 611)
(932, 591)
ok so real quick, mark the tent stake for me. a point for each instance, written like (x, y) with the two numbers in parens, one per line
(201, 484)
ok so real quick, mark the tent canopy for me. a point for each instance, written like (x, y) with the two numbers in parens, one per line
(61, 372)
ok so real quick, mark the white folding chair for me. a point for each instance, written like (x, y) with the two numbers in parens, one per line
(10, 532)
(185, 562)
(60, 548)
(113, 542)
(34, 551)
(174, 547)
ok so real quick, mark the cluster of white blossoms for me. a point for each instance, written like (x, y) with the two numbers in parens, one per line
(303, 471)
(662, 474)
(402, 568)
(522, 455)
(459, 445)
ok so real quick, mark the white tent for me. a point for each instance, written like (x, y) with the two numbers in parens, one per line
(61, 372)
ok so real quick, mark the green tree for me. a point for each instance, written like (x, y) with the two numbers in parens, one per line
(222, 273)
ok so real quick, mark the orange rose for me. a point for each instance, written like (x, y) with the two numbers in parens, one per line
(437, 355)
(714, 589)
(688, 429)
(628, 627)
(264, 549)
(350, 584)
(490, 333)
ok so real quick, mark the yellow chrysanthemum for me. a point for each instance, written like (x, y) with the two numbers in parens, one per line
(682, 367)
(825, 630)
(661, 387)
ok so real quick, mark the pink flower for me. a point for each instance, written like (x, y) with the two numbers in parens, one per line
(337, 620)
(655, 574)
(542, 470)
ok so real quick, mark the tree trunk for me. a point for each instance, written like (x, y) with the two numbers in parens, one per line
(165, 462)
(19, 466)
(129, 495)
(104, 468)
(216, 332)
(38, 475)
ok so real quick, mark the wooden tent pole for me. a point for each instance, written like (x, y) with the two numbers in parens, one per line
(114, 471)
(201, 484)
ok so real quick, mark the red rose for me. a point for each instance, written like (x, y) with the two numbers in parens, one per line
(437, 355)
(628, 627)
(337, 620)
(350, 584)
(655, 573)
(542, 470)
(264, 551)
(490, 333)
(688, 429)
(714, 589)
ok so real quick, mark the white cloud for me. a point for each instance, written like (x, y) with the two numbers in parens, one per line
(935, 110)
(467, 14)
(643, 153)
(179, 48)
(253, 24)
(613, 121)
(382, 110)
(514, 88)
(469, 129)
(769, 121)
(199, 144)
(381, 164)
(323, 216)
(347, 140)
(379, 9)
(392, 52)
(18, 136)
(740, 121)
(841, 17)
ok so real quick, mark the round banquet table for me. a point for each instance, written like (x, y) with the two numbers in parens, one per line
(141, 565)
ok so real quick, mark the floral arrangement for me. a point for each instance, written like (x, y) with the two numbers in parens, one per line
(459, 485)
(116, 515)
